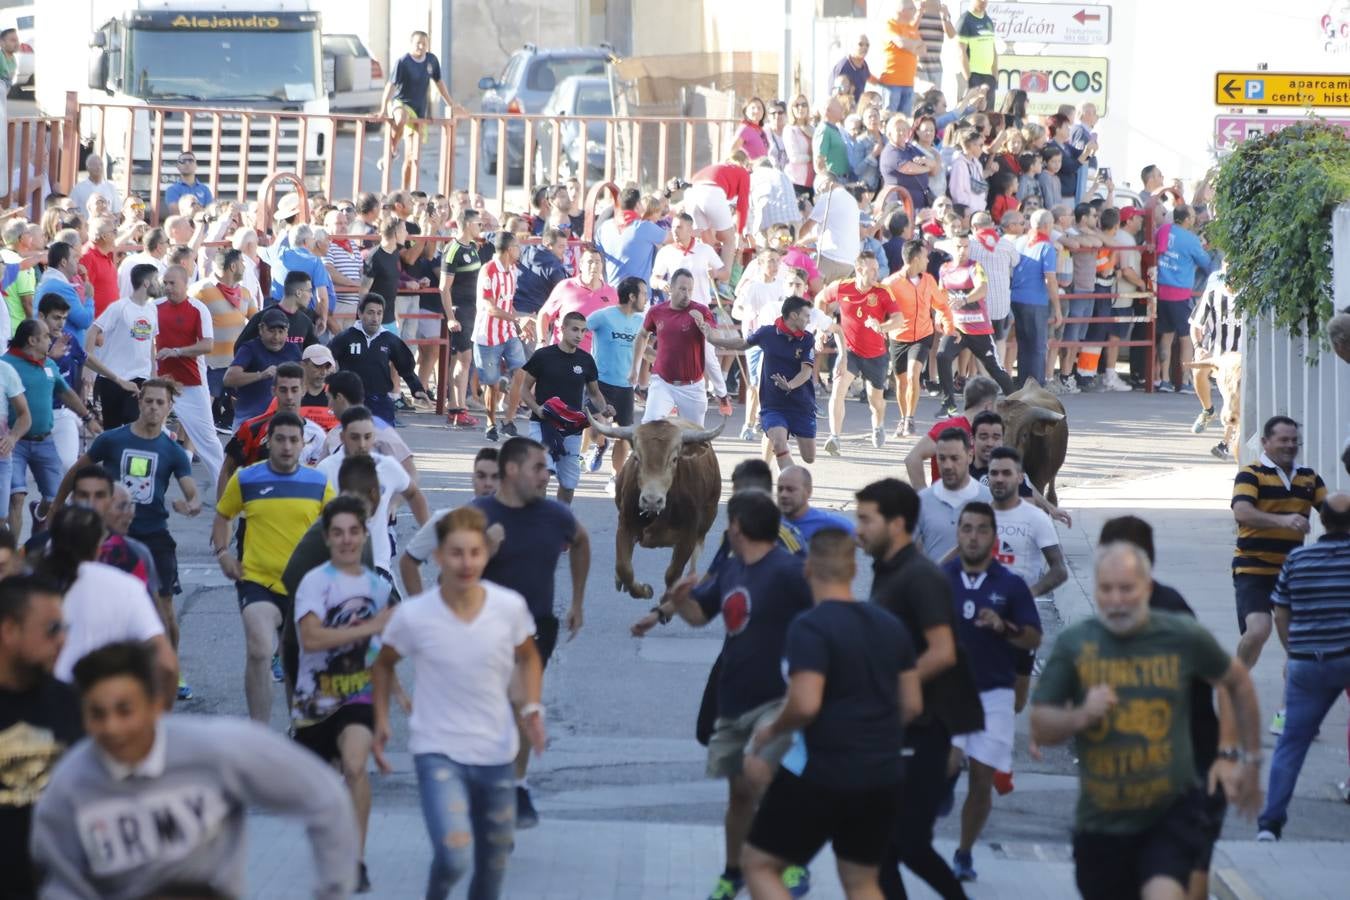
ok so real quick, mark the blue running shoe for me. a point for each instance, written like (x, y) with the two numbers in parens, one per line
(727, 888)
(277, 674)
(797, 879)
(963, 866)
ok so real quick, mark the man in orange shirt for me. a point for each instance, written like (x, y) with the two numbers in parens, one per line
(902, 50)
(867, 311)
(917, 296)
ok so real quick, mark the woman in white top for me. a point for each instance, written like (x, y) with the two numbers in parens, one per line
(102, 605)
(465, 638)
(797, 141)
(966, 182)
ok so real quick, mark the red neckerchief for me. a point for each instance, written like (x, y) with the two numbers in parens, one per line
(231, 292)
(784, 329)
(988, 238)
(935, 229)
(345, 244)
(687, 250)
(15, 351)
(1037, 238)
(626, 217)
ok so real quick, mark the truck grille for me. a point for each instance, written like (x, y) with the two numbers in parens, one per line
(228, 156)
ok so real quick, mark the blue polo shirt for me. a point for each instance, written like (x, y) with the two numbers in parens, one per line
(784, 354)
(71, 363)
(178, 189)
(993, 660)
(814, 519)
(631, 251)
(296, 259)
(1028, 276)
(40, 384)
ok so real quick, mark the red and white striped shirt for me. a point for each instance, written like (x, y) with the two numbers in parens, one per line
(496, 287)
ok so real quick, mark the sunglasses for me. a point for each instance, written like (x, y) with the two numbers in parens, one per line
(346, 209)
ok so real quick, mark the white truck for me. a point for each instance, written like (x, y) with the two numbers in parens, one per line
(256, 56)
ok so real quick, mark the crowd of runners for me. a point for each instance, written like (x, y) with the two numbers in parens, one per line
(284, 363)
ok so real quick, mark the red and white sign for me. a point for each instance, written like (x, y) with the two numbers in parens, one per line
(1050, 23)
(1229, 131)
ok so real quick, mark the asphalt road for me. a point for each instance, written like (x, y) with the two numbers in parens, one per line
(621, 711)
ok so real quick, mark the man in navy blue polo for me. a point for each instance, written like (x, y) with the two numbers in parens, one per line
(787, 397)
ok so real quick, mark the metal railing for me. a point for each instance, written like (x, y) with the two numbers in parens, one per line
(36, 148)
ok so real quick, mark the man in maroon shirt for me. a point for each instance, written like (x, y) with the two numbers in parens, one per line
(98, 262)
(185, 337)
(677, 373)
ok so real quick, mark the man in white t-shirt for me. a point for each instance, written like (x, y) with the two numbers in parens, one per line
(758, 303)
(688, 252)
(835, 218)
(11, 394)
(422, 546)
(128, 327)
(358, 437)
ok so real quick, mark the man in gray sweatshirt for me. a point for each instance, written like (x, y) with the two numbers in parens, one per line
(154, 802)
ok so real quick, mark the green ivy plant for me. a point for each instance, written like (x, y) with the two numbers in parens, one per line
(1273, 202)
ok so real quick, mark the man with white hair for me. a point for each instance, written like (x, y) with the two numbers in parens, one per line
(93, 183)
(299, 256)
(1035, 296)
(1119, 685)
(99, 265)
(19, 292)
(154, 247)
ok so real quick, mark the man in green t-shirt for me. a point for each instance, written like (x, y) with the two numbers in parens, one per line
(979, 53)
(18, 243)
(827, 144)
(1120, 685)
(9, 63)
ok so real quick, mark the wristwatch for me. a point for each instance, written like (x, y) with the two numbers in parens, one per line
(1232, 754)
(662, 616)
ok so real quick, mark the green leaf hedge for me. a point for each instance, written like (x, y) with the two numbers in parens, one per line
(1273, 203)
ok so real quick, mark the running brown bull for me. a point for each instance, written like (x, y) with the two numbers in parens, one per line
(667, 494)
(1036, 426)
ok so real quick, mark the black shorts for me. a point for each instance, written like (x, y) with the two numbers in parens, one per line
(164, 551)
(796, 818)
(119, 407)
(462, 341)
(871, 368)
(322, 737)
(1213, 807)
(906, 353)
(1002, 327)
(1116, 866)
(1025, 663)
(621, 398)
(250, 592)
(1252, 594)
(546, 637)
(989, 81)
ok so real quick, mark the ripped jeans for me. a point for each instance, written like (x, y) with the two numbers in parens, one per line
(470, 813)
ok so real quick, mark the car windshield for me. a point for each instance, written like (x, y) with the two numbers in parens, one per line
(222, 65)
(594, 101)
(546, 74)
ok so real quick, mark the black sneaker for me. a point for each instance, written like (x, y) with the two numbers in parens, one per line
(362, 880)
(491, 433)
(947, 409)
(402, 403)
(509, 429)
(1221, 451)
(526, 815)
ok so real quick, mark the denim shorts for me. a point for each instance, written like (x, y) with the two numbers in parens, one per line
(488, 360)
(42, 457)
(567, 469)
(1078, 309)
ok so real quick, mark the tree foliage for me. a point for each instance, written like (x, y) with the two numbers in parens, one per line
(1274, 198)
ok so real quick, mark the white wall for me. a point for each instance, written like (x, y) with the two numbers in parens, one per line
(1163, 58)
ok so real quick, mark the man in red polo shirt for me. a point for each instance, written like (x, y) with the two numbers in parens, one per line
(185, 337)
(99, 264)
(867, 312)
(677, 373)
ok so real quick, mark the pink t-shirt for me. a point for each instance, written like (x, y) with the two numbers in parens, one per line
(573, 296)
(753, 141)
(797, 258)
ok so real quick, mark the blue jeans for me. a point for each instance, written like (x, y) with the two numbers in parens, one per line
(42, 458)
(1031, 322)
(1078, 309)
(899, 99)
(470, 813)
(1310, 689)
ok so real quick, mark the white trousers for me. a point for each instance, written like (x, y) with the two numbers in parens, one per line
(712, 370)
(690, 401)
(193, 408)
(66, 435)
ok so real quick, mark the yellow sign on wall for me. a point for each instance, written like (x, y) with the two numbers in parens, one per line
(1281, 89)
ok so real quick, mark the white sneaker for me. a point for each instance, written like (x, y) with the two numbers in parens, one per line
(832, 445)
(1070, 386)
(1057, 387)
(611, 486)
(1265, 836)
(1113, 382)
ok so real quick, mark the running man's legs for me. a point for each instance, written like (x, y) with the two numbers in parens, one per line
(354, 745)
(193, 408)
(262, 618)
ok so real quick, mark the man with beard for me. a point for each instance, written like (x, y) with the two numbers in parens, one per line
(128, 328)
(940, 504)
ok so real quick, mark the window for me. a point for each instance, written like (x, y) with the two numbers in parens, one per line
(547, 74)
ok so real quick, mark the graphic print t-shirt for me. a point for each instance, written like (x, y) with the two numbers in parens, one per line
(1023, 534)
(145, 468)
(129, 330)
(330, 679)
(757, 603)
(1151, 671)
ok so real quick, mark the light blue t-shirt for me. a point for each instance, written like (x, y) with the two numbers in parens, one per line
(614, 334)
(295, 259)
(1028, 276)
(814, 519)
(631, 251)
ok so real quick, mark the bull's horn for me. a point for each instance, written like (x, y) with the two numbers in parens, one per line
(702, 435)
(616, 432)
(1038, 414)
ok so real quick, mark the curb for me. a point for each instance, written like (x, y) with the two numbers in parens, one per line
(1228, 884)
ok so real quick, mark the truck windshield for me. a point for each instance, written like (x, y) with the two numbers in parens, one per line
(221, 65)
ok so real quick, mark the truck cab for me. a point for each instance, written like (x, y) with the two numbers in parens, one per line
(255, 56)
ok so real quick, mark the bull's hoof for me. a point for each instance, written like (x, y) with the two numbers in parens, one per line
(641, 591)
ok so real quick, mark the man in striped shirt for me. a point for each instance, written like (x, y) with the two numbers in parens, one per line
(1216, 332)
(1272, 499)
(496, 332)
(1312, 613)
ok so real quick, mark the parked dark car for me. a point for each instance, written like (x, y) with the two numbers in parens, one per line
(577, 97)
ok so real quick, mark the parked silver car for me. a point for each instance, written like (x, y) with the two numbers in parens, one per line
(576, 97)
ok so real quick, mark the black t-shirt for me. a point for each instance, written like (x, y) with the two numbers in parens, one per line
(384, 269)
(427, 267)
(916, 591)
(301, 332)
(1204, 720)
(560, 374)
(36, 727)
(462, 262)
(854, 741)
(757, 603)
(319, 399)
